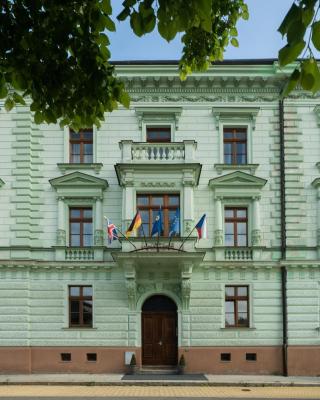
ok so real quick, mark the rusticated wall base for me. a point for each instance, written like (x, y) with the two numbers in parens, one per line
(208, 360)
(302, 360)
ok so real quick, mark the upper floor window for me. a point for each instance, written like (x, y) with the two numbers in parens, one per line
(236, 306)
(81, 146)
(235, 145)
(236, 226)
(158, 134)
(80, 227)
(149, 206)
(80, 306)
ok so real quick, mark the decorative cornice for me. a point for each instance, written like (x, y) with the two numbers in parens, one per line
(72, 166)
(78, 184)
(159, 114)
(236, 113)
(238, 167)
(130, 174)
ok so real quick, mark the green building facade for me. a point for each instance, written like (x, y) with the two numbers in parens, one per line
(243, 300)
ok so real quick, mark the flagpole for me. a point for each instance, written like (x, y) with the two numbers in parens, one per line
(187, 237)
(126, 238)
(145, 240)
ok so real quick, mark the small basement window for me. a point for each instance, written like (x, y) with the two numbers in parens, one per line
(66, 357)
(225, 356)
(251, 356)
(92, 357)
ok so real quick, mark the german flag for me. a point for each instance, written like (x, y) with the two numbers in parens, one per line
(135, 224)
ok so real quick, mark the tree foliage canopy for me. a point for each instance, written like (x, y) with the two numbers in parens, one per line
(56, 52)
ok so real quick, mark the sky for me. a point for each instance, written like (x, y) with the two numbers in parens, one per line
(258, 37)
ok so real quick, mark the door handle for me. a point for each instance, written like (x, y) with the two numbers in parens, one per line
(160, 343)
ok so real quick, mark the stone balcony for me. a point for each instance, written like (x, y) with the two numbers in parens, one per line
(238, 254)
(172, 152)
(94, 253)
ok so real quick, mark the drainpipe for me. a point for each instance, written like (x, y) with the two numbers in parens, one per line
(283, 243)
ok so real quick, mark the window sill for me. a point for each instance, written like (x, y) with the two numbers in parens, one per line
(251, 168)
(234, 328)
(80, 166)
(79, 329)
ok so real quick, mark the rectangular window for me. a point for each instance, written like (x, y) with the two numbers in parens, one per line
(235, 145)
(236, 306)
(80, 227)
(81, 146)
(225, 356)
(236, 227)
(149, 206)
(80, 306)
(156, 134)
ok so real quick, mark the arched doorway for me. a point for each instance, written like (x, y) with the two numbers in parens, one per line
(159, 331)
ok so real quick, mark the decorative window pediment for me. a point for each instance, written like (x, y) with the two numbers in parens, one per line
(1, 182)
(237, 184)
(159, 115)
(78, 184)
(235, 115)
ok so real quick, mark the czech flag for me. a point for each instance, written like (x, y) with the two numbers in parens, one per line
(135, 224)
(201, 227)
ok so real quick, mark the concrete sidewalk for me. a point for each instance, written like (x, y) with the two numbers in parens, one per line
(115, 380)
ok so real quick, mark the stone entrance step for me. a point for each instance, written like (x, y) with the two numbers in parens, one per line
(158, 370)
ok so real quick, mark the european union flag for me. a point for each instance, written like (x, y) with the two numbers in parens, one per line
(157, 225)
(175, 224)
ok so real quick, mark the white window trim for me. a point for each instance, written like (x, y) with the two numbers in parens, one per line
(145, 125)
(66, 146)
(237, 117)
(251, 305)
(70, 203)
(66, 304)
(245, 203)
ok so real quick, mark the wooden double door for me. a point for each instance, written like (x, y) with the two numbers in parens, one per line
(159, 337)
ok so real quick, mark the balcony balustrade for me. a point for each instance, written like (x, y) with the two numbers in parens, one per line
(174, 152)
(238, 254)
(79, 254)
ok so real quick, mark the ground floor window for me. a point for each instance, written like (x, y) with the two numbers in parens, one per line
(236, 306)
(80, 306)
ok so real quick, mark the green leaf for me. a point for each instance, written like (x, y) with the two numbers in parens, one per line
(290, 53)
(296, 32)
(38, 117)
(167, 30)
(233, 31)
(307, 15)
(291, 16)
(292, 83)
(9, 104)
(129, 3)
(124, 14)
(106, 6)
(149, 23)
(136, 23)
(234, 42)
(310, 75)
(110, 25)
(316, 35)
(3, 89)
(17, 98)
(125, 99)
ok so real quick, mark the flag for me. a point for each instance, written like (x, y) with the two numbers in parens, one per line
(135, 224)
(201, 227)
(175, 224)
(112, 232)
(157, 225)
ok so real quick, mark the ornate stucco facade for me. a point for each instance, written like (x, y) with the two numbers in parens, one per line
(278, 186)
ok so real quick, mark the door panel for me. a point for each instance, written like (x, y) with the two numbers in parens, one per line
(159, 339)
